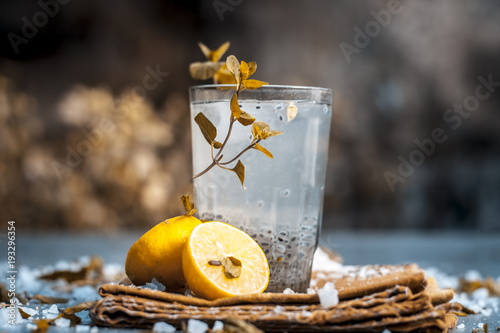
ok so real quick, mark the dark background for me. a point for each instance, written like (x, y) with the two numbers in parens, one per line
(74, 75)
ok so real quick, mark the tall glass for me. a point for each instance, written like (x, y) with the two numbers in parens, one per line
(282, 205)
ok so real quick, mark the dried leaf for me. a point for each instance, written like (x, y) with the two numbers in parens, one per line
(79, 307)
(253, 84)
(50, 300)
(235, 107)
(206, 51)
(264, 150)
(207, 128)
(69, 276)
(291, 112)
(252, 67)
(245, 118)
(239, 169)
(232, 267)
(233, 66)
(4, 294)
(42, 325)
(261, 130)
(74, 319)
(24, 315)
(224, 76)
(204, 70)
(244, 71)
(217, 54)
(186, 203)
(258, 129)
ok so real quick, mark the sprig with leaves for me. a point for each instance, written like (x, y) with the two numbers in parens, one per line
(240, 72)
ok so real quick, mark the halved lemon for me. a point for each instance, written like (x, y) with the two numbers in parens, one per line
(220, 260)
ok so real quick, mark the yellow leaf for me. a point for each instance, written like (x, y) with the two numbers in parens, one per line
(245, 73)
(224, 76)
(264, 150)
(273, 133)
(258, 128)
(245, 118)
(206, 51)
(253, 84)
(262, 131)
(233, 66)
(252, 67)
(235, 108)
(186, 203)
(207, 128)
(203, 70)
(217, 54)
(239, 169)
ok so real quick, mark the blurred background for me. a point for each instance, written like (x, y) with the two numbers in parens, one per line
(414, 141)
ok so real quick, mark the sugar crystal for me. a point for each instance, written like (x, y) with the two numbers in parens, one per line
(328, 295)
(163, 327)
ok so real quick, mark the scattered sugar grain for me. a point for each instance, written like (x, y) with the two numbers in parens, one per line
(460, 327)
(163, 327)
(218, 326)
(196, 326)
(62, 322)
(328, 295)
(288, 291)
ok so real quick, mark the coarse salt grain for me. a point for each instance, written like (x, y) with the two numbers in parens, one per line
(218, 326)
(196, 326)
(62, 322)
(94, 329)
(288, 291)
(460, 327)
(163, 327)
(53, 309)
(82, 328)
(328, 295)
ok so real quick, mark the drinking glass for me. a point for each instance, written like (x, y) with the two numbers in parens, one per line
(281, 207)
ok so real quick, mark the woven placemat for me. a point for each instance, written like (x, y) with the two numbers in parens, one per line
(372, 298)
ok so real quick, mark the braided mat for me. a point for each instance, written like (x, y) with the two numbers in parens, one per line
(372, 298)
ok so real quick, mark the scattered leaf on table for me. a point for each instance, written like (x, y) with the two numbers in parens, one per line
(50, 300)
(79, 307)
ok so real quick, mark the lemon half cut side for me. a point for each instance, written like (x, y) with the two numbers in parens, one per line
(220, 260)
